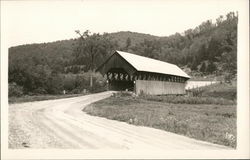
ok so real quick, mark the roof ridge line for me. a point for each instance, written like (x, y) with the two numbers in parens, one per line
(146, 57)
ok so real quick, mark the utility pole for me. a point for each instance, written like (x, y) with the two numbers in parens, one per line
(83, 36)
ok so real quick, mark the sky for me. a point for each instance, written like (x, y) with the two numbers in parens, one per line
(26, 22)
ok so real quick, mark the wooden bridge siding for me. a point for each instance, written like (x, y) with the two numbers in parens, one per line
(117, 62)
(159, 87)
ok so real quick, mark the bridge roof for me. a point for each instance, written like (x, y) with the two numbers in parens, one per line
(146, 64)
(142, 64)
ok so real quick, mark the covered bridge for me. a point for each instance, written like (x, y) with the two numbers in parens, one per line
(142, 75)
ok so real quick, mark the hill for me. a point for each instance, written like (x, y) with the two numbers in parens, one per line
(136, 38)
(62, 50)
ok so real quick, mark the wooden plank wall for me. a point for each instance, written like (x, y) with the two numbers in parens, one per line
(116, 62)
(159, 87)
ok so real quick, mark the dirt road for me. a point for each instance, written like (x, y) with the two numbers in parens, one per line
(62, 124)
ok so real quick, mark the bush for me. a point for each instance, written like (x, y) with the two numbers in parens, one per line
(122, 94)
(197, 92)
(15, 90)
(55, 84)
(69, 82)
(40, 90)
(76, 91)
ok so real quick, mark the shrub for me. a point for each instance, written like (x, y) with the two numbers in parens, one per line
(197, 92)
(122, 94)
(55, 84)
(40, 91)
(69, 82)
(76, 91)
(99, 87)
(15, 90)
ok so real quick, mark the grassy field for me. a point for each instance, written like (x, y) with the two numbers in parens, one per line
(27, 98)
(213, 120)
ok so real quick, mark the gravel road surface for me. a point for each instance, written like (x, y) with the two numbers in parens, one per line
(62, 124)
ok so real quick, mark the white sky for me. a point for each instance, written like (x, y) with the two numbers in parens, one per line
(44, 21)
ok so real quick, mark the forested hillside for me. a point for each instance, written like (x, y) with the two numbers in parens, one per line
(50, 68)
(126, 38)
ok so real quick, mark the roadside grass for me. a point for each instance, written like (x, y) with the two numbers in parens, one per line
(188, 100)
(212, 123)
(28, 98)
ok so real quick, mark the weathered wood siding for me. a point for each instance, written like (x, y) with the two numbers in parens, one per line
(159, 87)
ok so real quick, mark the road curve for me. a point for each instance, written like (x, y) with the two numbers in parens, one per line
(62, 124)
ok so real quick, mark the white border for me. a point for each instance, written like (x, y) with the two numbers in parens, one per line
(242, 150)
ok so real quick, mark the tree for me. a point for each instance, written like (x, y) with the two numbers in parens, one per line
(92, 49)
(211, 67)
(194, 64)
(203, 67)
(55, 84)
(229, 64)
(128, 43)
(219, 20)
(148, 48)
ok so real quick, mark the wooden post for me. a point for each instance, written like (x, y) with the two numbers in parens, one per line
(113, 75)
